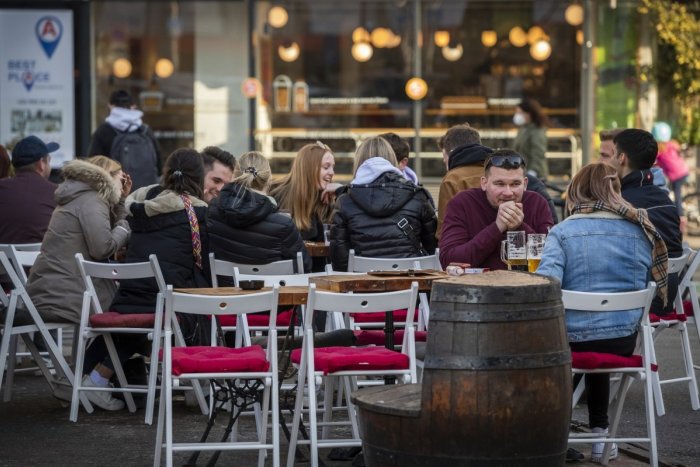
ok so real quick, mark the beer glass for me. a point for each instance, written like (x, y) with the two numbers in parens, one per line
(514, 251)
(535, 246)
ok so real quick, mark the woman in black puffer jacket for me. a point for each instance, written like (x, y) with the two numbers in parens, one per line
(381, 214)
(244, 224)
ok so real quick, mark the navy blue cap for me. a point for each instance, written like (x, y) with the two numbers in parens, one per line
(30, 150)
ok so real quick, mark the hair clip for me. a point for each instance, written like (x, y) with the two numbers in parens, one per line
(323, 146)
(251, 170)
(177, 173)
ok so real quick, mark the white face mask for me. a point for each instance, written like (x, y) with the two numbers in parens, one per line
(519, 119)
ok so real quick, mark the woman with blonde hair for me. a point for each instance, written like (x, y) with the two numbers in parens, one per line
(244, 223)
(381, 214)
(606, 245)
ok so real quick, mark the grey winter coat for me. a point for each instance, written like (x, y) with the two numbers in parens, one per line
(80, 224)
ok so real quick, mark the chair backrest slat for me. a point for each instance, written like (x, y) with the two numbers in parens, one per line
(220, 267)
(21, 255)
(363, 302)
(366, 264)
(224, 304)
(606, 301)
(279, 279)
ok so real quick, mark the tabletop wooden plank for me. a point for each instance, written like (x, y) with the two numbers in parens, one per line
(368, 283)
(403, 400)
(289, 295)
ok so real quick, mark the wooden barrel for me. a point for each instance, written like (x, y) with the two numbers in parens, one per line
(496, 387)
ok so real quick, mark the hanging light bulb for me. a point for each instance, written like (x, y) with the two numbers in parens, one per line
(574, 14)
(395, 41)
(362, 51)
(517, 36)
(380, 37)
(441, 38)
(416, 88)
(489, 38)
(453, 54)
(277, 17)
(534, 34)
(579, 37)
(164, 68)
(541, 50)
(360, 34)
(289, 53)
(121, 68)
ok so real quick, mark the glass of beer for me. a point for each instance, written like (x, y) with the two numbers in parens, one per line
(514, 251)
(535, 246)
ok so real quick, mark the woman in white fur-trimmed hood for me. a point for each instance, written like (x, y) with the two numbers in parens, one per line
(88, 219)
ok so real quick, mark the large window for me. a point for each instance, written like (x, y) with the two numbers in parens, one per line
(337, 71)
(184, 62)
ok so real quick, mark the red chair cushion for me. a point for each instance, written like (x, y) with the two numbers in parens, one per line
(112, 319)
(599, 361)
(332, 359)
(654, 318)
(399, 316)
(205, 359)
(258, 319)
(688, 308)
(365, 337)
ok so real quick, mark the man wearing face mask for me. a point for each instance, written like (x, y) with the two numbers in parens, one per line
(531, 140)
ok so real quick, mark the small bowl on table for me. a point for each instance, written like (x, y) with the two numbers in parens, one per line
(251, 285)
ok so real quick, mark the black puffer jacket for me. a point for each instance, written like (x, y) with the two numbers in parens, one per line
(159, 225)
(639, 190)
(245, 227)
(366, 219)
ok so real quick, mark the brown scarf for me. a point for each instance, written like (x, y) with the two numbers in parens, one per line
(659, 255)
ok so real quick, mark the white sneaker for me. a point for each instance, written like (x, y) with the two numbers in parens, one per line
(102, 399)
(598, 448)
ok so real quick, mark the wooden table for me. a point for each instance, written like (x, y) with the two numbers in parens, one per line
(370, 283)
(289, 295)
(318, 249)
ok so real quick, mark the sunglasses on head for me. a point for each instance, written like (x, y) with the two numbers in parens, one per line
(512, 161)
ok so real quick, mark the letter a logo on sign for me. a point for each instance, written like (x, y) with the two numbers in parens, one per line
(49, 31)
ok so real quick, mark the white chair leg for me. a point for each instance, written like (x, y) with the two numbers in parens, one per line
(111, 349)
(689, 370)
(655, 381)
(159, 431)
(77, 379)
(350, 386)
(296, 419)
(262, 426)
(329, 385)
(9, 356)
(275, 407)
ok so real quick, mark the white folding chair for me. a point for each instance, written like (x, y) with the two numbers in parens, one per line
(95, 322)
(367, 264)
(677, 321)
(283, 269)
(636, 366)
(22, 257)
(346, 362)
(64, 375)
(228, 369)
(220, 267)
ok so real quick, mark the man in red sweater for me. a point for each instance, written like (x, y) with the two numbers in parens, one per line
(476, 220)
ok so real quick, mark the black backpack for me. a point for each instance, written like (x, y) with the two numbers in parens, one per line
(135, 151)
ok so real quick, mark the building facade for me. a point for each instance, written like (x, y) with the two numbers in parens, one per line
(274, 75)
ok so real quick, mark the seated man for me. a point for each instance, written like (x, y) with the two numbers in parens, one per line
(476, 220)
(464, 157)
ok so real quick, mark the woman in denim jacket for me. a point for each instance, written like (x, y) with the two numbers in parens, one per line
(606, 245)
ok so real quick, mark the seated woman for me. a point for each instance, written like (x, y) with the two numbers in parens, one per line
(89, 219)
(308, 192)
(381, 214)
(168, 220)
(606, 245)
(244, 224)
